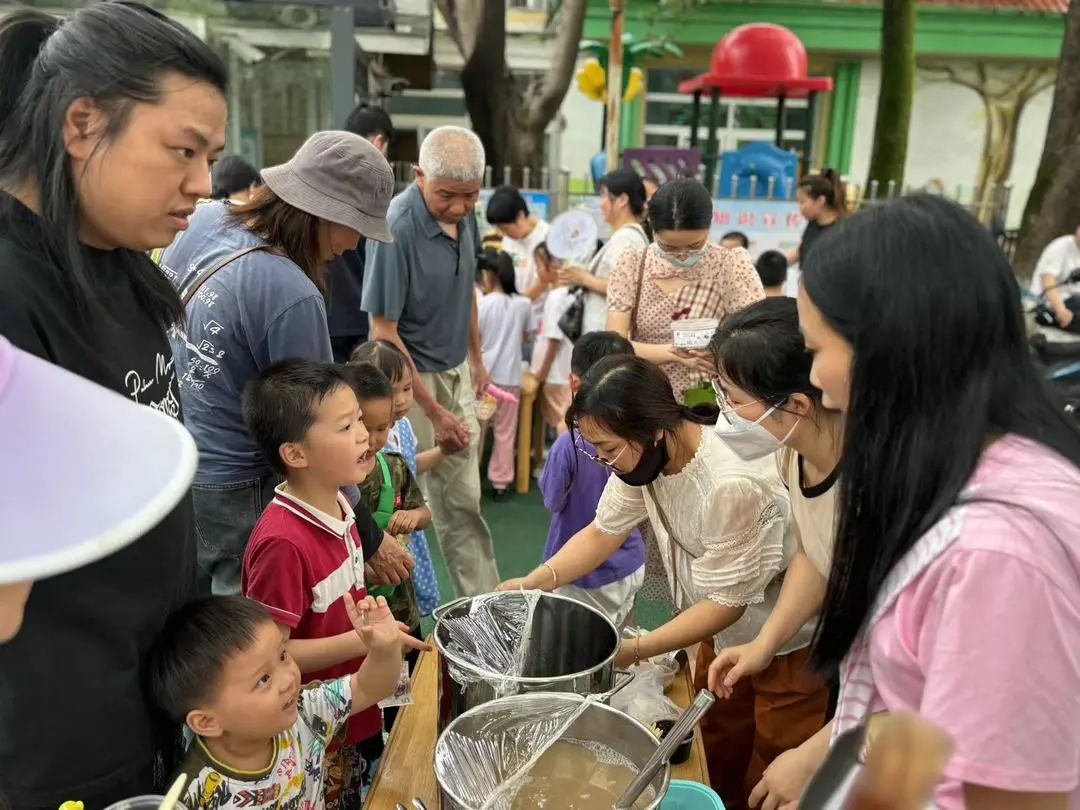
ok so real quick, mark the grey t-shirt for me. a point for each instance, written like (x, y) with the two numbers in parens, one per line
(255, 311)
(424, 281)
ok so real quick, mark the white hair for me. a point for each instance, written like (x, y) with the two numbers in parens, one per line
(452, 153)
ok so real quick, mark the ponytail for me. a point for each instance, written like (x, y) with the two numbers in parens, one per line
(22, 35)
(827, 184)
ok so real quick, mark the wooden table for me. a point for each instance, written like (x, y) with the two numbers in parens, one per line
(407, 768)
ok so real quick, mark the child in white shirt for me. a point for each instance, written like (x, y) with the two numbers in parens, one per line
(551, 356)
(504, 323)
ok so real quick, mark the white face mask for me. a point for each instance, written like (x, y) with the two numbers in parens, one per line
(749, 440)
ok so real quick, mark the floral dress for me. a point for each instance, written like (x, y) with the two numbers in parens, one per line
(402, 440)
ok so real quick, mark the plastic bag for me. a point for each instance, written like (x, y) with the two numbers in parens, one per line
(493, 637)
(485, 766)
(644, 698)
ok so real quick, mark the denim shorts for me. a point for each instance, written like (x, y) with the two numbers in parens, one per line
(225, 514)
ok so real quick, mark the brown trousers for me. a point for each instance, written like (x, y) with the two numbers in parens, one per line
(771, 712)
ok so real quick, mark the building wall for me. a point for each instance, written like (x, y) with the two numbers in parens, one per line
(946, 137)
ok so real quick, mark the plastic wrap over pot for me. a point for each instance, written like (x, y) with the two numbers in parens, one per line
(494, 637)
(486, 756)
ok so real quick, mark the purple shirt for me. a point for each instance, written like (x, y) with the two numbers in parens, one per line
(572, 485)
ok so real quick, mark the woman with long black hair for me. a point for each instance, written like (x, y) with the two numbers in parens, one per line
(955, 585)
(109, 125)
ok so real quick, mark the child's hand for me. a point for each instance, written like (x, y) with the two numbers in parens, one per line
(375, 624)
(377, 627)
(403, 523)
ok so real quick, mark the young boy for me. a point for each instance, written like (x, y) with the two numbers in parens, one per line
(304, 555)
(551, 355)
(221, 666)
(390, 491)
(572, 485)
(772, 267)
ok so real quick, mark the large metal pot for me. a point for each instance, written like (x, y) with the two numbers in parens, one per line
(466, 773)
(570, 647)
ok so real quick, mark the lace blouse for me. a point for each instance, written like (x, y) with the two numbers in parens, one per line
(733, 533)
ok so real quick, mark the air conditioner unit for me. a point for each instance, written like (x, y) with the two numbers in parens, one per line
(296, 16)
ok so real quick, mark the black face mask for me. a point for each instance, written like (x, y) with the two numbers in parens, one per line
(654, 458)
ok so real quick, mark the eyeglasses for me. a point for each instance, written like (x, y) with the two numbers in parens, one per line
(603, 462)
(725, 405)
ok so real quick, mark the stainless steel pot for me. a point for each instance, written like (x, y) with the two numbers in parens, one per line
(493, 723)
(570, 648)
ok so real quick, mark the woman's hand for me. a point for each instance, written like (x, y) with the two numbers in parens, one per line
(571, 274)
(785, 779)
(697, 360)
(735, 663)
(539, 580)
(626, 654)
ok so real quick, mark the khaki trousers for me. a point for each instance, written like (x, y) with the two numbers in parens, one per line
(452, 489)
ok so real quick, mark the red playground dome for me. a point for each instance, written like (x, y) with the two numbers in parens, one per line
(759, 60)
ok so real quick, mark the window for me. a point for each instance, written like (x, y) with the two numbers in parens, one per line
(668, 114)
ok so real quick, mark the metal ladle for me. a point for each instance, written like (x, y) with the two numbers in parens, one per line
(702, 703)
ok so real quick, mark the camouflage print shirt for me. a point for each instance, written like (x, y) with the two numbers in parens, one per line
(407, 496)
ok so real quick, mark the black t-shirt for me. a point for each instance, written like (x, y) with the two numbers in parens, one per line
(810, 235)
(345, 289)
(73, 721)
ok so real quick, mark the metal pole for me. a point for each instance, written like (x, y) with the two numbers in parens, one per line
(695, 119)
(711, 148)
(342, 63)
(614, 84)
(808, 138)
(781, 116)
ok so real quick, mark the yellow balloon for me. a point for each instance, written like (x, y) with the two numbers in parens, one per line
(592, 80)
(635, 84)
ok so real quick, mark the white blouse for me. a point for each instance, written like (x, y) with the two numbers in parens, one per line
(628, 237)
(733, 533)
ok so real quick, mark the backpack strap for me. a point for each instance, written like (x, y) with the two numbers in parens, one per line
(187, 292)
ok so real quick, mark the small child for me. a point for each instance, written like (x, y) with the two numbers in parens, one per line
(772, 268)
(551, 355)
(390, 492)
(390, 360)
(572, 492)
(305, 553)
(504, 327)
(221, 665)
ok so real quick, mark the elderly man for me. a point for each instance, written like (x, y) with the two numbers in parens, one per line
(419, 293)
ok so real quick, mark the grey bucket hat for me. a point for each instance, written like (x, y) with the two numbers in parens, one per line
(340, 177)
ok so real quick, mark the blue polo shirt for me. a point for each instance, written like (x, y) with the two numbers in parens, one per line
(424, 281)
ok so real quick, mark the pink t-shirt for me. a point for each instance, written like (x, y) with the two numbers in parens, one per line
(985, 643)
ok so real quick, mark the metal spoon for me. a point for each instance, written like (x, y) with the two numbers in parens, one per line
(702, 703)
(418, 804)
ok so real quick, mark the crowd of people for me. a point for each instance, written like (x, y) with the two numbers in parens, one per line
(859, 501)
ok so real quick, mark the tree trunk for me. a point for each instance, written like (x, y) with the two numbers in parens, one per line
(1053, 207)
(897, 89)
(510, 121)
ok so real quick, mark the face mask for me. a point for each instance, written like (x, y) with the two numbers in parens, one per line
(684, 260)
(654, 458)
(749, 440)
